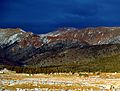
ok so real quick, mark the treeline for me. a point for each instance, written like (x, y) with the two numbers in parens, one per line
(33, 70)
(102, 64)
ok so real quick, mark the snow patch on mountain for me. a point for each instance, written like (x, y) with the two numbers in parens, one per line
(22, 30)
(13, 39)
(9, 36)
(115, 40)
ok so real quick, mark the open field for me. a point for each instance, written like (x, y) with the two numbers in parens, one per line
(60, 82)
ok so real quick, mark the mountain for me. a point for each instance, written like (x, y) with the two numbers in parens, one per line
(72, 49)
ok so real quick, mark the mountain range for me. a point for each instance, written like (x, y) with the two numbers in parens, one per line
(88, 49)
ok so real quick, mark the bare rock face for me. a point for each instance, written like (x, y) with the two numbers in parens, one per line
(66, 46)
(89, 36)
(92, 36)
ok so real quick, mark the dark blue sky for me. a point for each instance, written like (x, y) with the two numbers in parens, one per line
(41, 16)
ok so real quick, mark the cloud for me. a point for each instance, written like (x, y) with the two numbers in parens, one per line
(46, 15)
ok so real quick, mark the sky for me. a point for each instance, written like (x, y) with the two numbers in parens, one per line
(42, 16)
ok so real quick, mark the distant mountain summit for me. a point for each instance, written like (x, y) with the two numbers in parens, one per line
(65, 47)
(91, 36)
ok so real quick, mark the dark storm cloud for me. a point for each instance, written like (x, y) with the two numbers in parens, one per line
(46, 15)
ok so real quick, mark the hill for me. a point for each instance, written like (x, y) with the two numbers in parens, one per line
(67, 49)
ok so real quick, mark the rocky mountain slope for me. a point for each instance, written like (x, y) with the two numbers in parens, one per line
(66, 48)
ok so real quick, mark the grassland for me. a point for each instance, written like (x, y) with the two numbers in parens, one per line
(60, 81)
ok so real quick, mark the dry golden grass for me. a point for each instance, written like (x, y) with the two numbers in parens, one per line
(91, 81)
(110, 75)
(65, 87)
(100, 82)
(12, 76)
(22, 86)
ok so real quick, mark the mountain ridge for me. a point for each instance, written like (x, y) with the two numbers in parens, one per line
(65, 48)
(92, 36)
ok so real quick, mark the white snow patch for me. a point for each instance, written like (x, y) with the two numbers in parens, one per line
(99, 32)
(1, 34)
(75, 35)
(45, 40)
(56, 35)
(50, 34)
(22, 30)
(13, 38)
(68, 29)
(99, 42)
(89, 32)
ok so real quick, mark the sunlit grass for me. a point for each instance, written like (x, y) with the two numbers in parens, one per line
(65, 87)
(22, 86)
(60, 81)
